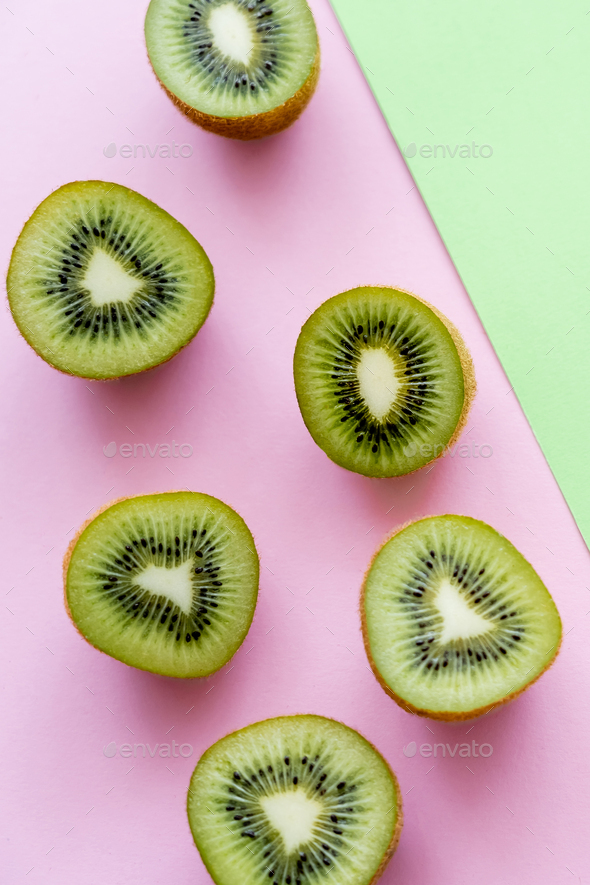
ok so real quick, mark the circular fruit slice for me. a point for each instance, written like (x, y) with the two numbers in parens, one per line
(103, 283)
(166, 583)
(240, 68)
(294, 800)
(384, 381)
(455, 620)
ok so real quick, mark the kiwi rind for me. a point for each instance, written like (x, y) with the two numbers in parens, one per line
(441, 715)
(254, 126)
(69, 191)
(310, 717)
(469, 382)
(66, 565)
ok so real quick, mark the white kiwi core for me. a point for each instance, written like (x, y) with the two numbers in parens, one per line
(293, 815)
(232, 33)
(378, 380)
(460, 621)
(107, 282)
(174, 583)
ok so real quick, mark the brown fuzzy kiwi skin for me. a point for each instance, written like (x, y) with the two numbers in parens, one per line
(395, 836)
(256, 125)
(470, 384)
(66, 566)
(441, 715)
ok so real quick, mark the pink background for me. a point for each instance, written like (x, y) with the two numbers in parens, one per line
(287, 223)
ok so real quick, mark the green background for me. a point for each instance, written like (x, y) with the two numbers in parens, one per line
(515, 79)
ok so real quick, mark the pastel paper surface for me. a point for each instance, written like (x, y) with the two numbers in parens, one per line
(287, 223)
(489, 103)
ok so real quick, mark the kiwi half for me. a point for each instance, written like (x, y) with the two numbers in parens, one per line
(383, 380)
(455, 620)
(295, 800)
(240, 68)
(166, 582)
(103, 283)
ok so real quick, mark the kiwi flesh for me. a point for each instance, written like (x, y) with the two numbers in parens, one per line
(383, 380)
(294, 800)
(166, 583)
(103, 283)
(240, 68)
(455, 620)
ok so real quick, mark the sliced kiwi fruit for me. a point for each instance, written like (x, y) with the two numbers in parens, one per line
(296, 800)
(240, 68)
(455, 620)
(165, 582)
(383, 380)
(103, 283)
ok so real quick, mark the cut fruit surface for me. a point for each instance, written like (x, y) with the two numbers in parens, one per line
(384, 381)
(455, 620)
(294, 800)
(166, 583)
(103, 283)
(241, 68)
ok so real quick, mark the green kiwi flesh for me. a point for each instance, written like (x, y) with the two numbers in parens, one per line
(295, 800)
(165, 582)
(384, 382)
(103, 283)
(241, 68)
(455, 620)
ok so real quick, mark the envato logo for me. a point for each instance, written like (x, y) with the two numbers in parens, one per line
(464, 750)
(434, 450)
(147, 151)
(442, 151)
(164, 450)
(166, 751)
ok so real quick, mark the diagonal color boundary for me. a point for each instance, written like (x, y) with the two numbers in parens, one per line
(489, 104)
